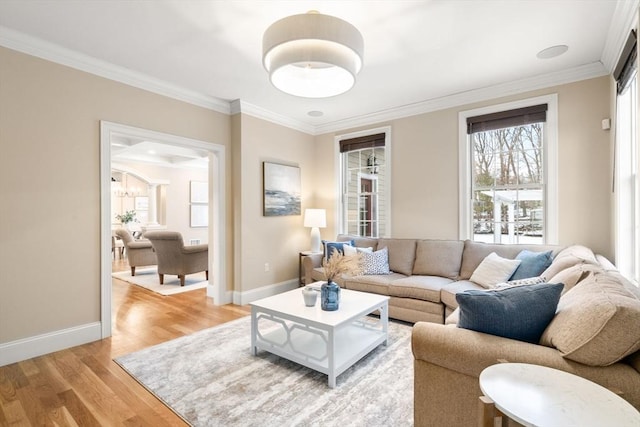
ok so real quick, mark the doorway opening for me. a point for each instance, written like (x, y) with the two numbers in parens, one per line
(216, 287)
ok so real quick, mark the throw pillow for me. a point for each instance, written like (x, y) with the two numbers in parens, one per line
(375, 262)
(352, 250)
(523, 282)
(494, 269)
(598, 322)
(532, 265)
(329, 247)
(520, 313)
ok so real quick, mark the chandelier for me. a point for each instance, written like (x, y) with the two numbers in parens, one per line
(312, 55)
(121, 189)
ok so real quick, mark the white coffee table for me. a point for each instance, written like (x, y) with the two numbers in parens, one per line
(540, 396)
(326, 341)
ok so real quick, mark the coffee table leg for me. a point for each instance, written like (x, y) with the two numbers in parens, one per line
(332, 359)
(254, 332)
(384, 317)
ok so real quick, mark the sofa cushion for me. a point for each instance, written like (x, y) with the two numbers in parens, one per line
(520, 313)
(598, 322)
(449, 291)
(426, 288)
(402, 254)
(438, 258)
(360, 242)
(475, 252)
(532, 265)
(571, 276)
(569, 257)
(375, 262)
(372, 284)
(493, 270)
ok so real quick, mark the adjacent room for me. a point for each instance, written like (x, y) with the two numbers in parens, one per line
(276, 213)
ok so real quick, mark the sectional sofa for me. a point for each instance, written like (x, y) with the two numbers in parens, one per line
(426, 274)
(595, 332)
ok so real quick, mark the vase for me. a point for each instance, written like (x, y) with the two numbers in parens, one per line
(310, 296)
(329, 296)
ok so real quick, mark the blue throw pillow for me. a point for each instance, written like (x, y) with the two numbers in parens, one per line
(520, 313)
(329, 247)
(532, 264)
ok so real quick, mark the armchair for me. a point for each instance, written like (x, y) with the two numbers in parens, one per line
(176, 258)
(139, 252)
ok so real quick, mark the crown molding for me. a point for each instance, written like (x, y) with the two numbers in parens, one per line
(624, 19)
(239, 106)
(625, 12)
(583, 72)
(52, 52)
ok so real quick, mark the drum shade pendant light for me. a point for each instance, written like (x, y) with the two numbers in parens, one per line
(312, 55)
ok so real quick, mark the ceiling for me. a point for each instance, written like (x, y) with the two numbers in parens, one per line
(419, 55)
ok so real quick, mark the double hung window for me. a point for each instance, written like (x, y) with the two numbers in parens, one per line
(627, 181)
(506, 192)
(364, 183)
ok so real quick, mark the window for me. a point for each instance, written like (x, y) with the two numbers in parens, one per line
(627, 185)
(364, 183)
(508, 157)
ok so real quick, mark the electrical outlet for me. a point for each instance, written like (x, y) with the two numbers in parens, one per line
(266, 267)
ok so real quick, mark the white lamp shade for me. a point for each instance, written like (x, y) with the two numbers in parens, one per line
(315, 218)
(312, 55)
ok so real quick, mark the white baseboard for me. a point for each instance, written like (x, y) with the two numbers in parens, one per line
(242, 298)
(26, 348)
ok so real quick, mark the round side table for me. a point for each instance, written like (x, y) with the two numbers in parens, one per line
(540, 396)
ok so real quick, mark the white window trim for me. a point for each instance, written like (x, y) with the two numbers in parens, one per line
(550, 153)
(339, 214)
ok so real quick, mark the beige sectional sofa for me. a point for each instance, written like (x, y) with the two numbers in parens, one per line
(595, 332)
(426, 274)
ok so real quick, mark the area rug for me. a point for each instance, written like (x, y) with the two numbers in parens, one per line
(210, 378)
(148, 279)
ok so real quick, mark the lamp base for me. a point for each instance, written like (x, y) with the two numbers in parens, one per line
(315, 239)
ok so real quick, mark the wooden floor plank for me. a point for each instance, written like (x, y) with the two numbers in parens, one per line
(83, 386)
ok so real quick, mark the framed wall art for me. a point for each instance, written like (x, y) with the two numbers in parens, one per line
(281, 189)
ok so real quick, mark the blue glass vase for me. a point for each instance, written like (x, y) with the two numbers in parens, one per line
(329, 296)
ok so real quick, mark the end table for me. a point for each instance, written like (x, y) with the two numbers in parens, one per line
(300, 256)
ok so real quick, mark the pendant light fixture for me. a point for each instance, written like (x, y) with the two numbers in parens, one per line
(312, 55)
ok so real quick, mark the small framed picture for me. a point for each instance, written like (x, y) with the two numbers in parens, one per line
(199, 192)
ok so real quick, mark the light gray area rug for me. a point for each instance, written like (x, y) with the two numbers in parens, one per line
(210, 378)
(148, 278)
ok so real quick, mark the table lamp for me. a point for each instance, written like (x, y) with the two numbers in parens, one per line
(316, 219)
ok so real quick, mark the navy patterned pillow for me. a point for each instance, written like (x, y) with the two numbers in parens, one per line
(376, 262)
(330, 247)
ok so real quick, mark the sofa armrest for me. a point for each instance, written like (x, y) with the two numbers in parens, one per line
(195, 249)
(310, 262)
(139, 244)
(469, 352)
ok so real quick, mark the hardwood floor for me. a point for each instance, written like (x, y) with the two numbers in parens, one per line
(83, 386)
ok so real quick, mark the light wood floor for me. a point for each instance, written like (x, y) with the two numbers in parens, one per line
(83, 386)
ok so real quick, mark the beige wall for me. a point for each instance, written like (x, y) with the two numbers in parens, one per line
(424, 149)
(50, 191)
(259, 239)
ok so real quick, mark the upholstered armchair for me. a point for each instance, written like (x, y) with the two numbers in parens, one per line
(175, 258)
(139, 252)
